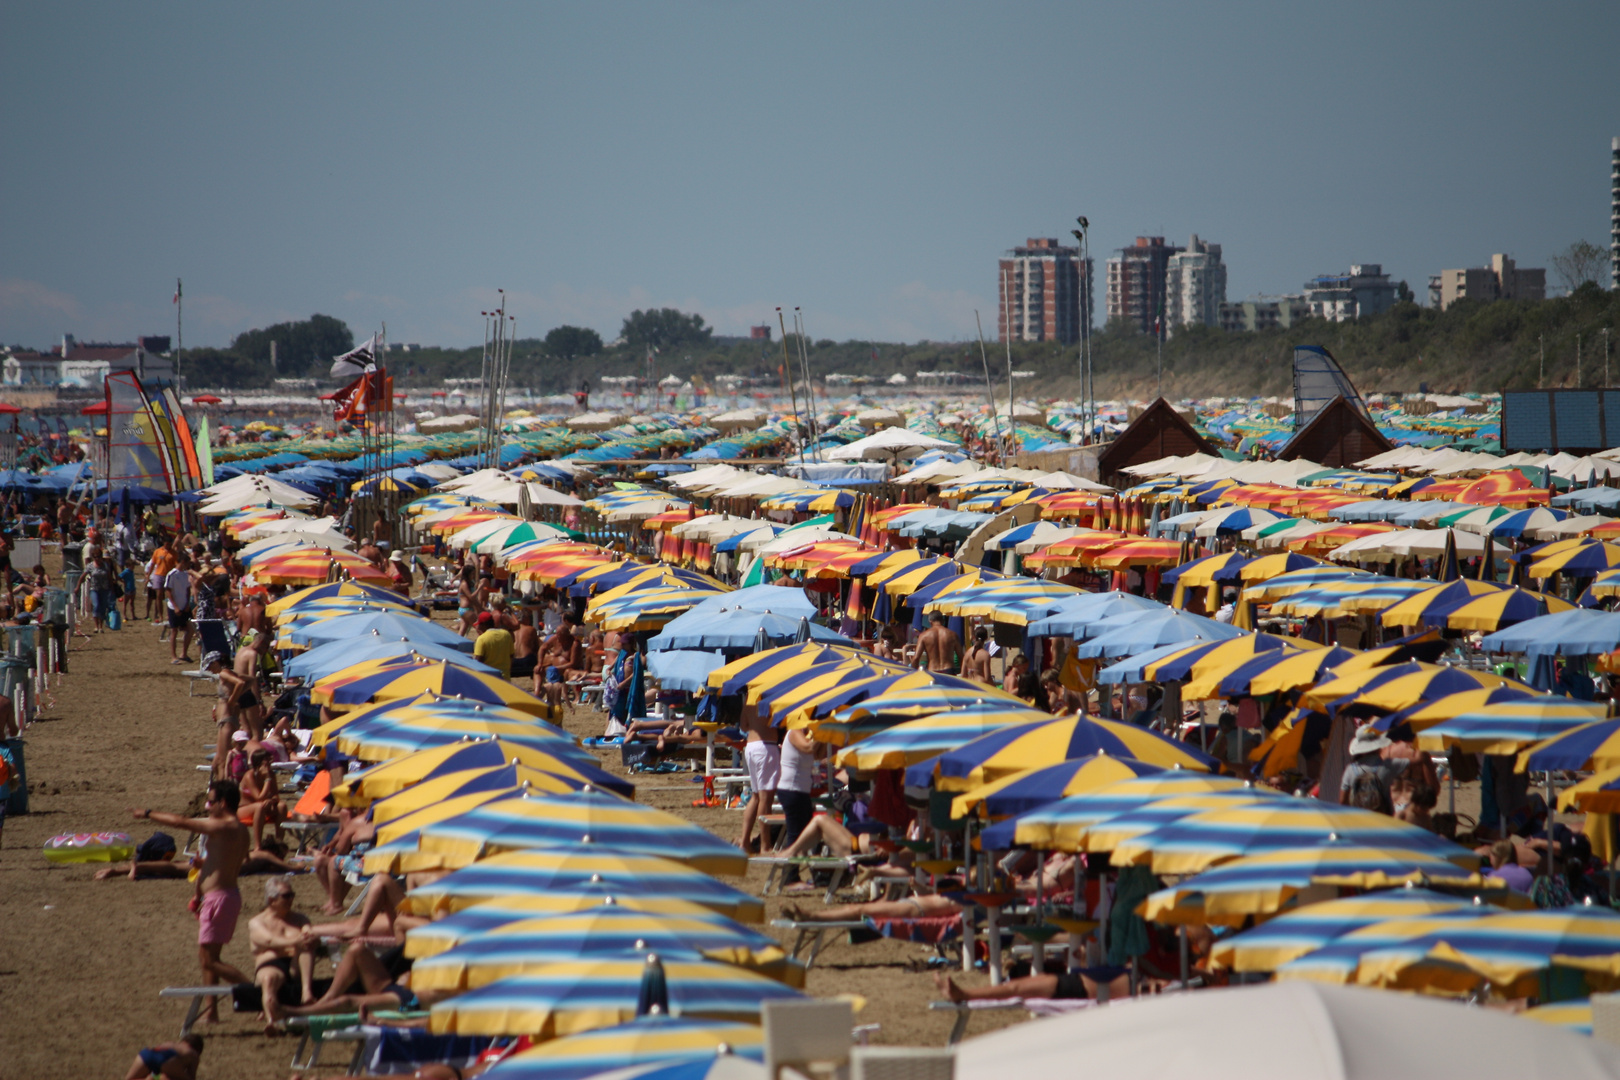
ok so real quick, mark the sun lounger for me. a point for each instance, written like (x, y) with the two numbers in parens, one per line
(813, 935)
(314, 1031)
(778, 867)
(198, 995)
(1035, 1007)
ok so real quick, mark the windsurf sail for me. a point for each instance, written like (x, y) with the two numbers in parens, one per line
(1318, 379)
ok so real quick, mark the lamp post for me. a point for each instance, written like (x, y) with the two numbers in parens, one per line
(1088, 403)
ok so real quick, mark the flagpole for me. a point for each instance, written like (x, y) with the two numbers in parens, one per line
(179, 337)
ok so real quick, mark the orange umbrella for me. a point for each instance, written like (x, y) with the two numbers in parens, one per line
(466, 520)
(670, 518)
(1064, 504)
(815, 553)
(881, 518)
(1328, 539)
(1137, 552)
(312, 566)
(1070, 550)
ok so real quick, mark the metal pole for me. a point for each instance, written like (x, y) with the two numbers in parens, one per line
(1577, 359)
(179, 337)
(989, 393)
(787, 367)
(1012, 420)
(1541, 369)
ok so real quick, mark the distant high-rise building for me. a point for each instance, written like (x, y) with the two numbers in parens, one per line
(1046, 294)
(1194, 285)
(1365, 290)
(1265, 312)
(1614, 211)
(1136, 283)
(1501, 280)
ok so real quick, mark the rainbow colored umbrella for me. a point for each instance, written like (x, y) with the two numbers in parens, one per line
(647, 1048)
(572, 996)
(1510, 726)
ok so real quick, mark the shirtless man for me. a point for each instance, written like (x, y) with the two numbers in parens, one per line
(551, 673)
(938, 647)
(246, 666)
(218, 903)
(764, 760)
(525, 649)
(277, 937)
(976, 664)
(232, 687)
(250, 615)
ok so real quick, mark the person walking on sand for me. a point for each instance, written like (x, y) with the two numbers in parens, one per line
(218, 903)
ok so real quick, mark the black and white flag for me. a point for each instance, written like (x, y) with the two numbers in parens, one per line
(357, 361)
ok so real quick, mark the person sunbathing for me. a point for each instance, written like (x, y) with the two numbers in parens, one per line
(920, 906)
(175, 1061)
(277, 938)
(383, 898)
(271, 858)
(377, 989)
(340, 856)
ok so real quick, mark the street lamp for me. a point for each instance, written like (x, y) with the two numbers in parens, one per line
(1088, 403)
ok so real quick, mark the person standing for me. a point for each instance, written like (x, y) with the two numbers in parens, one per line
(493, 646)
(976, 664)
(938, 647)
(764, 760)
(177, 588)
(217, 903)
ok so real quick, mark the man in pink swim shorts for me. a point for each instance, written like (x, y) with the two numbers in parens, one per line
(217, 904)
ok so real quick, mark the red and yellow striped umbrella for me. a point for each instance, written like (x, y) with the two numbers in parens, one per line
(311, 566)
(1072, 550)
(1137, 552)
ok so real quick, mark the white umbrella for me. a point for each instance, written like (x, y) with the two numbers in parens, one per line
(293, 522)
(890, 444)
(541, 495)
(472, 534)
(1310, 1031)
(294, 539)
(1573, 526)
(472, 479)
(1063, 481)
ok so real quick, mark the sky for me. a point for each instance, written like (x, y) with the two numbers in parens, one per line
(399, 163)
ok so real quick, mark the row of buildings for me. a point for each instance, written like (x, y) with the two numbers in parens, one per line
(1046, 289)
(85, 364)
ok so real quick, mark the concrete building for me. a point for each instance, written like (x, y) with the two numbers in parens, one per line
(1194, 285)
(1614, 210)
(1265, 312)
(1046, 294)
(87, 364)
(1136, 282)
(1500, 280)
(1365, 290)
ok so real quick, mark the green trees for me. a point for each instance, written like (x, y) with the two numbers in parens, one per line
(567, 342)
(302, 348)
(1580, 263)
(664, 329)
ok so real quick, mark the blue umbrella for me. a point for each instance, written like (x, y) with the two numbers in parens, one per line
(1567, 633)
(685, 669)
(1130, 634)
(385, 624)
(735, 630)
(1074, 614)
(775, 599)
(336, 655)
(134, 493)
(1129, 670)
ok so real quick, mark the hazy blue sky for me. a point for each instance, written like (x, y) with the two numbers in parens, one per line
(867, 161)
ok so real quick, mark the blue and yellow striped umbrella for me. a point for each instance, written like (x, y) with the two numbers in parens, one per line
(1013, 750)
(1426, 714)
(1399, 686)
(1271, 672)
(648, 610)
(648, 1048)
(1032, 788)
(1575, 1015)
(1297, 581)
(1271, 881)
(519, 873)
(928, 736)
(739, 675)
(1511, 726)
(831, 687)
(1511, 951)
(1057, 825)
(381, 781)
(1294, 933)
(1199, 842)
(907, 700)
(382, 738)
(1595, 747)
(435, 937)
(1433, 606)
(1597, 794)
(594, 819)
(1337, 960)
(1589, 557)
(1209, 656)
(582, 995)
(515, 778)
(1109, 833)
(611, 933)
(339, 591)
(1499, 610)
(1348, 598)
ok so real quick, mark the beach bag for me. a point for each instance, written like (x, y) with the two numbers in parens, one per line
(115, 621)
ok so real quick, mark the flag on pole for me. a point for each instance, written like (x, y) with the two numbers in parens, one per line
(176, 290)
(357, 361)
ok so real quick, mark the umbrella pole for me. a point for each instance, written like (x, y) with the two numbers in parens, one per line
(1552, 852)
(967, 881)
(1186, 956)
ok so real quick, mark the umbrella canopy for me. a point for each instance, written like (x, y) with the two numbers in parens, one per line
(1267, 567)
(1073, 616)
(1198, 842)
(573, 996)
(527, 946)
(442, 680)
(1056, 826)
(335, 656)
(435, 937)
(1426, 714)
(1294, 933)
(1016, 749)
(1024, 791)
(926, 737)
(738, 630)
(1433, 607)
(647, 1048)
(1510, 726)
(1593, 746)
(313, 565)
(335, 590)
(1397, 686)
(1130, 634)
(520, 873)
(1235, 520)
(587, 817)
(1269, 882)
(1271, 672)
(1322, 1032)
(1503, 608)
(1568, 633)
(762, 667)
(377, 624)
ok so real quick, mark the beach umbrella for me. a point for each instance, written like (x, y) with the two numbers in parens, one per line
(1234, 520)
(528, 946)
(1271, 672)
(518, 873)
(1433, 606)
(392, 777)
(829, 685)
(1320, 1032)
(1200, 841)
(586, 817)
(377, 624)
(442, 680)
(1568, 633)
(515, 779)
(647, 1048)
(1519, 522)
(320, 690)
(739, 675)
(1072, 616)
(1496, 610)
(1134, 551)
(336, 656)
(1510, 726)
(940, 694)
(1110, 832)
(1267, 567)
(1314, 576)
(1056, 825)
(1032, 788)
(572, 996)
(928, 736)
(736, 630)
(1574, 1015)
(1272, 881)
(1398, 686)
(333, 606)
(312, 566)
(1015, 749)
(1597, 794)
(424, 725)
(1594, 746)
(1587, 558)
(1201, 659)
(473, 922)
(1126, 635)
(1426, 714)
(777, 599)
(395, 851)
(1512, 951)
(1208, 570)
(1333, 601)
(1294, 933)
